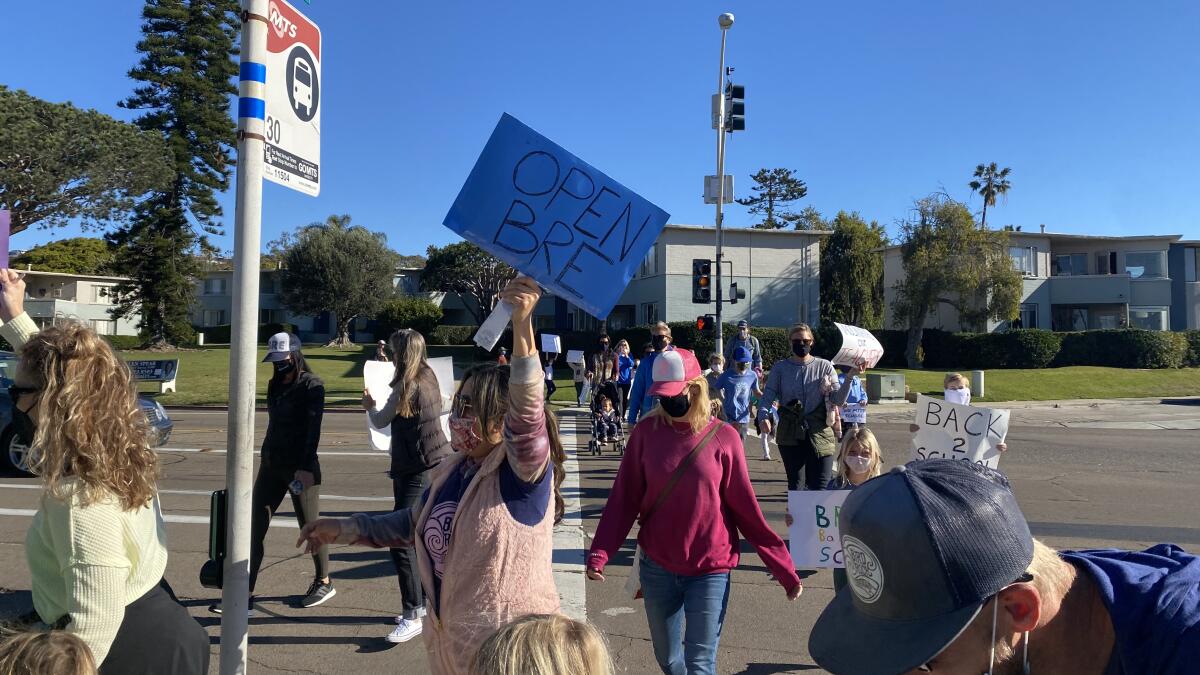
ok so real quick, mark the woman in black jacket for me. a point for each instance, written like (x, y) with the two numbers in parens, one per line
(295, 406)
(414, 412)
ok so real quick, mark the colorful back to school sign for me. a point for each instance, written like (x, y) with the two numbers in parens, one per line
(555, 217)
(815, 540)
(950, 430)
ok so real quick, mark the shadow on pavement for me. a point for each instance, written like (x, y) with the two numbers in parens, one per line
(1181, 401)
(772, 668)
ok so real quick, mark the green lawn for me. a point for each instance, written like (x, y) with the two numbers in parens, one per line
(1050, 384)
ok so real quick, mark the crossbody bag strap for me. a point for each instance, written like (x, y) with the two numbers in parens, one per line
(678, 473)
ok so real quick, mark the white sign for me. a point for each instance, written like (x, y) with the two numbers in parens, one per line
(292, 125)
(815, 540)
(711, 186)
(950, 430)
(377, 378)
(575, 356)
(551, 344)
(858, 344)
(853, 413)
(443, 368)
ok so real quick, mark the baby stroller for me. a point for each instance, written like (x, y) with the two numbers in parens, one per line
(612, 392)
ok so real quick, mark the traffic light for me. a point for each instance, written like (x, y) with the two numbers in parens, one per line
(701, 281)
(735, 107)
(705, 323)
(735, 293)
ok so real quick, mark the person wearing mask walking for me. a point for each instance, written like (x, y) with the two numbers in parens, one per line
(96, 547)
(289, 464)
(744, 339)
(602, 362)
(413, 410)
(687, 545)
(735, 387)
(625, 368)
(801, 384)
(640, 403)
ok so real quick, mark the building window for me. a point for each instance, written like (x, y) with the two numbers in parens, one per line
(1070, 265)
(1189, 264)
(1149, 318)
(270, 316)
(215, 286)
(649, 313)
(1106, 263)
(1145, 264)
(104, 327)
(1028, 317)
(650, 262)
(214, 317)
(1024, 259)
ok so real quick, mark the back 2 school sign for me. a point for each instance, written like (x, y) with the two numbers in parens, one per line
(950, 430)
(554, 217)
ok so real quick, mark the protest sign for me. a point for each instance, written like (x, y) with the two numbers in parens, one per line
(575, 356)
(5, 231)
(377, 380)
(443, 369)
(814, 537)
(554, 217)
(551, 344)
(858, 344)
(950, 430)
(853, 413)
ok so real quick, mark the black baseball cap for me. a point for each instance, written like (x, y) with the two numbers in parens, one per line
(926, 545)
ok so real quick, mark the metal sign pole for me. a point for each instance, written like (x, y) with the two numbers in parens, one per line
(243, 351)
(725, 21)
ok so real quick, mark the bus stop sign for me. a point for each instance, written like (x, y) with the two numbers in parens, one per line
(293, 91)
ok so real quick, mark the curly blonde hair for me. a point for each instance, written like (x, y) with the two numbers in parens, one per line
(37, 652)
(89, 424)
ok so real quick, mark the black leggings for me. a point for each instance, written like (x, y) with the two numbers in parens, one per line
(817, 470)
(157, 636)
(407, 489)
(269, 488)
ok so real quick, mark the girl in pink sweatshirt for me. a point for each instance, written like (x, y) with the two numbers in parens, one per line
(689, 539)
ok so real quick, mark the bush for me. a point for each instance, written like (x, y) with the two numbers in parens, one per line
(1192, 358)
(1123, 348)
(452, 335)
(222, 335)
(120, 342)
(418, 314)
(1032, 348)
(894, 342)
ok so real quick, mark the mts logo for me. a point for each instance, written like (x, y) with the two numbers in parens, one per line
(282, 25)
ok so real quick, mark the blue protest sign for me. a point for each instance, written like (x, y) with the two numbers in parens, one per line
(555, 217)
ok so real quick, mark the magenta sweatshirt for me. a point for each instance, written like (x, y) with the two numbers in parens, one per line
(695, 531)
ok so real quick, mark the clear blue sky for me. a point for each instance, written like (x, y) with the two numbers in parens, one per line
(1093, 104)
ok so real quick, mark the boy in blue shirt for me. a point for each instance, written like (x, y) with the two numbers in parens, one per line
(736, 385)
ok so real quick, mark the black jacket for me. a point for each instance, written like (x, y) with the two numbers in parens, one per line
(294, 413)
(418, 442)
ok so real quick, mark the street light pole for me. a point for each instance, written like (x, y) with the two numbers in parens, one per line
(725, 21)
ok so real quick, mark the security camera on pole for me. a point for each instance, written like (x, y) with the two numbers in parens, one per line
(729, 108)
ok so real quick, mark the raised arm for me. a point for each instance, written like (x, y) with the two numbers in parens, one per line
(525, 437)
(839, 396)
(16, 326)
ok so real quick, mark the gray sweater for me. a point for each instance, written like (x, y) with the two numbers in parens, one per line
(790, 381)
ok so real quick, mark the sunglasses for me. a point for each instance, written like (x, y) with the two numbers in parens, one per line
(16, 392)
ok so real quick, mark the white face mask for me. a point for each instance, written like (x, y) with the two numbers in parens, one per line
(858, 464)
(959, 396)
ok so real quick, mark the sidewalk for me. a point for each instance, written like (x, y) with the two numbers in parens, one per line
(1135, 413)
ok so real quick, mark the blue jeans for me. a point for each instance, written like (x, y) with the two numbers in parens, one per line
(685, 616)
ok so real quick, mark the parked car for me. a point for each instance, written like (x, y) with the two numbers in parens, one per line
(14, 455)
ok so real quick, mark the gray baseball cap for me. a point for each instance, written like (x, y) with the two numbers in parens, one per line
(280, 346)
(926, 545)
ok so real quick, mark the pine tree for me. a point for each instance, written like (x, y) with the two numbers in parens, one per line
(776, 188)
(186, 71)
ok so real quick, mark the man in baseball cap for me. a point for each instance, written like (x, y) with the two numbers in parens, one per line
(944, 577)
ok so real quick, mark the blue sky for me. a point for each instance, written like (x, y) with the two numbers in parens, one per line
(1093, 104)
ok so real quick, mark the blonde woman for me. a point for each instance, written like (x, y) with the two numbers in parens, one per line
(414, 412)
(684, 478)
(96, 547)
(544, 644)
(39, 652)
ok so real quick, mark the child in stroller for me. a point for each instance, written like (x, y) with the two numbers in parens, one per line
(607, 409)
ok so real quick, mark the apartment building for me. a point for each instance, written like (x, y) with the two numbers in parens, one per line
(1073, 282)
(53, 296)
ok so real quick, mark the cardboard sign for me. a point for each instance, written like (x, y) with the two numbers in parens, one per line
(815, 540)
(5, 232)
(858, 344)
(575, 356)
(853, 413)
(377, 379)
(551, 344)
(554, 217)
(443, 368)
(958, 431)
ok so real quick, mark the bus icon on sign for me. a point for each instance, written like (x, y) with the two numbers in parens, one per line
(302, 93)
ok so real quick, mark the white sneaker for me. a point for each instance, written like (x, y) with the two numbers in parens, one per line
(405, 631)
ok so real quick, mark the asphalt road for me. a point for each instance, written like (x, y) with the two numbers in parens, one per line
(1079, 487)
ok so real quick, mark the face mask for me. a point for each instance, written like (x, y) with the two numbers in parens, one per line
(959, 396)
(283, 367)
(858, 464)
(674, 406)
(23, 426)
(659, 342)
(800, 349)
(604, 346)
(715, 367)
(463, 437)
(1025, 639)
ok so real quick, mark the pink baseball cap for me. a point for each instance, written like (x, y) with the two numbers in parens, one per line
(672, 370)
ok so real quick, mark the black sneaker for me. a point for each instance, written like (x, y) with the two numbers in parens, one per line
(319, 592)
(215, 608)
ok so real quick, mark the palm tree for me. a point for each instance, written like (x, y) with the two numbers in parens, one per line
(990, 182)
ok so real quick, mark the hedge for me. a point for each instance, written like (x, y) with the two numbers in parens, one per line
(1032, 348)
(220, 335)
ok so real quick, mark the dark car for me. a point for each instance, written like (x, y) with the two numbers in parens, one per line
(14, 455)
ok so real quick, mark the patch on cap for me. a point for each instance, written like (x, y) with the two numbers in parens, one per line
(863, 569)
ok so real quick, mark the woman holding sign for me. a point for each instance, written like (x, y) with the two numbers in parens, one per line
(687, 545)
(800, 385)
(484, 530)
(414, 411)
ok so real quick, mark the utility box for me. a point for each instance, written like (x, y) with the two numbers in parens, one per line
(885, 387)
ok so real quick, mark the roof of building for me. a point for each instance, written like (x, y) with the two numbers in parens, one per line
(711, 228)
(89, 277)
(1064, 236)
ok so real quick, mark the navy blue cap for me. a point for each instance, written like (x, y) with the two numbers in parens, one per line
(743, 324)
(926, 545)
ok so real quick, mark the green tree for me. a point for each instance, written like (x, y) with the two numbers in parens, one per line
(990, 182)
(346, 270)
(776, 189)
(810, 218)
(59, 163)
(474, 274)
(949, 261)
(419, 314)
(852, 272)
(79, 255)
(186, 81)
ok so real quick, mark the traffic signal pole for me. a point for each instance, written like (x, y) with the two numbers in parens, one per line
(725, 21)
